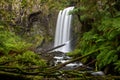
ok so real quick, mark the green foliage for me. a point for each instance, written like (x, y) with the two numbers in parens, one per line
(110, 27)
(75, 52)
(106, 57)
(55, 4)
(15, 52)
(24, 60)
(103, 34)
(28, 59)
(117, 64)
(104, 37)
(10, 42)
(29, 56)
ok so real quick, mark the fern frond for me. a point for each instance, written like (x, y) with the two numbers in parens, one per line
(117, 64)
(106, 57)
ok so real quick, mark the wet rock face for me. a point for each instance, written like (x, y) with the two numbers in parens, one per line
(42, 23)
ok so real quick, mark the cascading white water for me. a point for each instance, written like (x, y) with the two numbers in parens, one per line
(63, 35)
(63, 30)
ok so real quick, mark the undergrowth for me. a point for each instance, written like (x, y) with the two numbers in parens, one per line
(16, 52)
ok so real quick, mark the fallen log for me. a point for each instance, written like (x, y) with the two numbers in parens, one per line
(51, 49)
(71, 61)
(12, 76)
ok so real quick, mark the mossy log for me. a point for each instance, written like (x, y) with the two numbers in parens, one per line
(17, 76)
(14, 76)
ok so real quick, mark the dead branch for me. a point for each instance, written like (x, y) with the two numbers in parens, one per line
(51, 49)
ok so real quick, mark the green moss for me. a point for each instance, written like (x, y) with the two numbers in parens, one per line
(28, 59)
(15, 52)
(10, 42)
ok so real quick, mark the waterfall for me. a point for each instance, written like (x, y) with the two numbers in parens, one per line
(63, 34)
